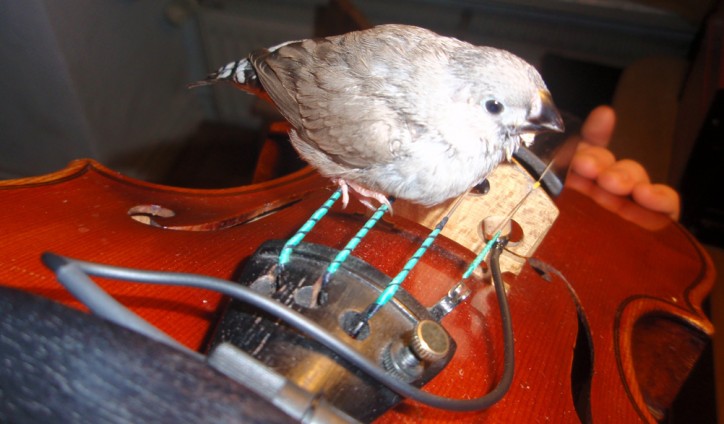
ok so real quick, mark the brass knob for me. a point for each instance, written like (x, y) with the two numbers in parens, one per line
(429, 342)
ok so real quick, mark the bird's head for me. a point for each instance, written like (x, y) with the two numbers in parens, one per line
(513, 97)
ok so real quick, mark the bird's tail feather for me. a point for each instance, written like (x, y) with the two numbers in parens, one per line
(239, 72)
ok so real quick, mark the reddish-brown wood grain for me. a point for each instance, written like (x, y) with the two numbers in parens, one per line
(629, 281)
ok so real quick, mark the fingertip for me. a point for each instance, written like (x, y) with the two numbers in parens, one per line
(615, 181)
(634, 169)
(658, 197)
(585, 165)
(598, 127)
(590, 161)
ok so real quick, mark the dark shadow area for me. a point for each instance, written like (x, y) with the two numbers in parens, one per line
(578, 86)
(216, 155)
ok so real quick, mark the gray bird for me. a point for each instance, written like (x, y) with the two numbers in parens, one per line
(399, 111)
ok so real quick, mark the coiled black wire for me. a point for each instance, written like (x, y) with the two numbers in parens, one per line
(72, 274)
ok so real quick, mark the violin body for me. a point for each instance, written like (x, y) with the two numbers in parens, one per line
(607, 314)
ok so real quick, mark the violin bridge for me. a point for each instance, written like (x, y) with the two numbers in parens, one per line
(509, 183)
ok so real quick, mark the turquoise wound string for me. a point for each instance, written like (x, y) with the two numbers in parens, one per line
(478, 259)
(489, 245)
(286, 252)
(394, 285)
(352, 244)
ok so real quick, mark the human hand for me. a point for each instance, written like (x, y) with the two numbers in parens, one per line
(593, 161)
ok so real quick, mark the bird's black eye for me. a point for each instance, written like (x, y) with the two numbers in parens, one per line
(494, 107)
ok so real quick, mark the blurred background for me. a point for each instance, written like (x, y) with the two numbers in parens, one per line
(106, 79)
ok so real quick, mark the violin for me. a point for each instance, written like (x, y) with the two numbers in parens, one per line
(606, 312)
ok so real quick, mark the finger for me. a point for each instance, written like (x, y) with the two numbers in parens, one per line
(658, 197)
(621, 177)
(598, 126)
(622, 206)
(590, 161)
(580, 184)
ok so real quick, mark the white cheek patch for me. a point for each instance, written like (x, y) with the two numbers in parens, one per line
(527, 138)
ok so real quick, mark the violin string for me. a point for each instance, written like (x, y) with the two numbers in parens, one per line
(352, 244)
(296, 239)
(499, 229)
(394, 285)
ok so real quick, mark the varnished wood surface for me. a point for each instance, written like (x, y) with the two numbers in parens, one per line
(619, 271)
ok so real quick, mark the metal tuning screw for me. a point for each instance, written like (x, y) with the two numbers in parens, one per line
(427, 344)
(429, 341)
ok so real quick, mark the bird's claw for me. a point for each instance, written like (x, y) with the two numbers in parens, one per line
(365, 195)
(345, 191)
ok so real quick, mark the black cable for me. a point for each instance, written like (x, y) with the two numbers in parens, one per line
(506, 321)
(60, 266)
(72, 276)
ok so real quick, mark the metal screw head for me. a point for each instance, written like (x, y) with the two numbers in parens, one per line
(429, 341)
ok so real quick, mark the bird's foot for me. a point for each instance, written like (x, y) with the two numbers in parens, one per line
(366, 195)
(345, 191)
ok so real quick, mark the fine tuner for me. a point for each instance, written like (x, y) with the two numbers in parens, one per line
(321, 329)
(398, 338)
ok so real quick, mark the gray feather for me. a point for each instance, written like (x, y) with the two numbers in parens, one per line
(399, 109)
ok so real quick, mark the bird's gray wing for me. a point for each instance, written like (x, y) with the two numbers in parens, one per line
(329, 94)
(274, 85)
